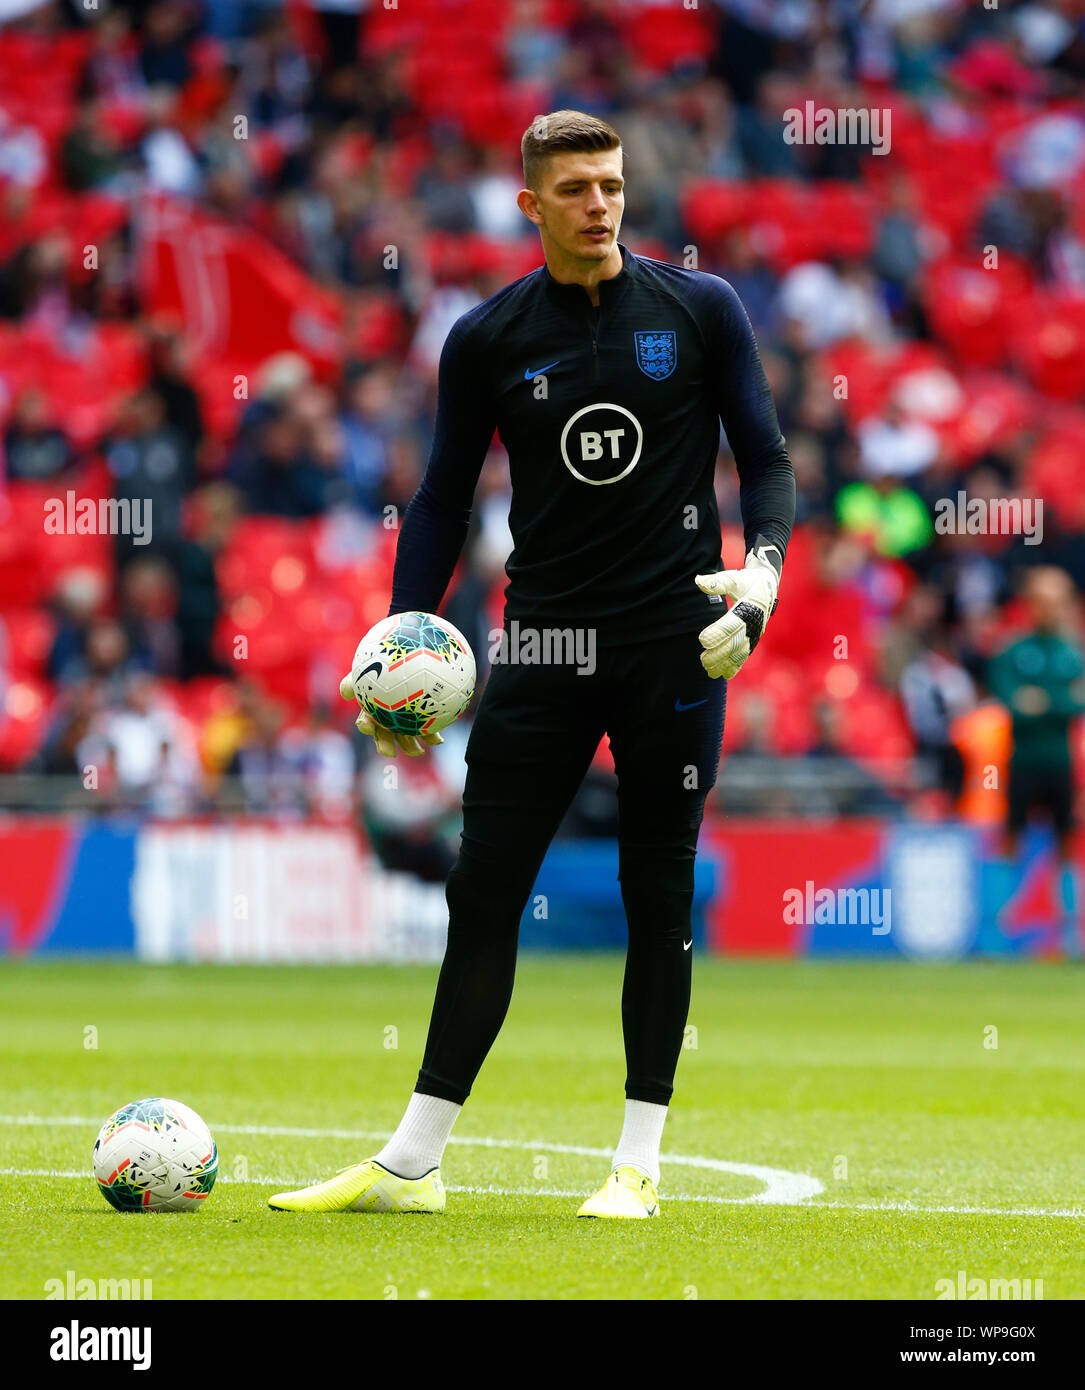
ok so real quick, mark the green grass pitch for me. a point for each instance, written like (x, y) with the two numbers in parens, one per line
(934, 1153)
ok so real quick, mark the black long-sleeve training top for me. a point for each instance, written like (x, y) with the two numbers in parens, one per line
(610, 417)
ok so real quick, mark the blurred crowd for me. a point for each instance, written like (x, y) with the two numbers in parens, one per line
(901, 377)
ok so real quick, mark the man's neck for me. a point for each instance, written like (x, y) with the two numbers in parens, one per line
(571, 270)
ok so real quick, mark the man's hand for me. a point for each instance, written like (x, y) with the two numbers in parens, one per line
(388, 744)
(729, 642)
(1031, 700)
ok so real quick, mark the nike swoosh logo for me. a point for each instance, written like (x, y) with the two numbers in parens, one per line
(374, 666)
(686, 945)
(681, 708)
(529, 374)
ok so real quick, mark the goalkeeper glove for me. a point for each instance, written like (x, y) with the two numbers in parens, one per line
(385, 740)
(728, 642)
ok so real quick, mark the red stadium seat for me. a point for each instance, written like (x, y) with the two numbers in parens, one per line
(661, 36)
(713, 207)
(24, 712)
(1050, 346)
(271, 552)
(874, 726)
(25, 575)
(843, 214)
(996, 407)
(1056, 472)
(28, 634)
(977, 312)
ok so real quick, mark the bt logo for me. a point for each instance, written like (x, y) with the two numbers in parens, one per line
(601, 443)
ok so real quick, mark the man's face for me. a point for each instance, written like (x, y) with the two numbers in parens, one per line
(579, 204)
(1051, 596)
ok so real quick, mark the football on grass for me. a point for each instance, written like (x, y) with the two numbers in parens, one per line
(413, 673)
(155, 1155)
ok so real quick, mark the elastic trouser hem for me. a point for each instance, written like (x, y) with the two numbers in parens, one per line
(443, 1090)
(652, 1095)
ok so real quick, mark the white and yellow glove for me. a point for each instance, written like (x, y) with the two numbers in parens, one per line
(388, 744)
(729, 642)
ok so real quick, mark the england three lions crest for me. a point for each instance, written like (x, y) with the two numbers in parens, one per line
(657, 353)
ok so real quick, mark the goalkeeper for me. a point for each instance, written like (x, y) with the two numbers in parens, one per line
(606, 375)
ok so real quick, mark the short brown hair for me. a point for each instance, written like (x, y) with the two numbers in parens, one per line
(559, 132)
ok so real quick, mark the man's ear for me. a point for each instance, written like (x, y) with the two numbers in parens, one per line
(528, 203)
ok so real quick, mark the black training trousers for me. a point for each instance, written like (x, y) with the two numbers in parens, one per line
(534, 736)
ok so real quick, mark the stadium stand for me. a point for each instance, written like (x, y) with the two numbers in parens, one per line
(235, 235)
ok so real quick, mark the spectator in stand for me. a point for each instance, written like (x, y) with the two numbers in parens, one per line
(936, 689)
(275, 78)
(169, 379)
(594, 35)
(660, 145)
(814, 502)
(139, 741)
(78, 599)
(36, 450)
(713, 122)
(825, 303)
(901, 249)
(164, 51)
(323, 759)
(272, 471)
(153, 467)
(533, 47)
(105, 657)
(893, 519)
(215, 510)
(68, 728)
(493, 189)
(340, 20)
(746, 271)
(280, 377)
(34, 283)
(112, 72)
(269, 780)
(148, 608)
(168, 159)
(89, 156)
(892, 445)
(369, 420)
(445, 189)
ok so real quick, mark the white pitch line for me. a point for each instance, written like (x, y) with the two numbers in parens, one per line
(956, 1211)
(491, 1190)
(782, 1188)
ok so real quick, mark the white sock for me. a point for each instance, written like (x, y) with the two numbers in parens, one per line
(419, 1142)
(639, 1145)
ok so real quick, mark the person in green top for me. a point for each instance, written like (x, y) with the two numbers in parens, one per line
(1041, 680)
(894, 517)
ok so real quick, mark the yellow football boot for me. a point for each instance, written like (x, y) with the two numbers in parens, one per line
(625, 1194)
(366, 1187)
